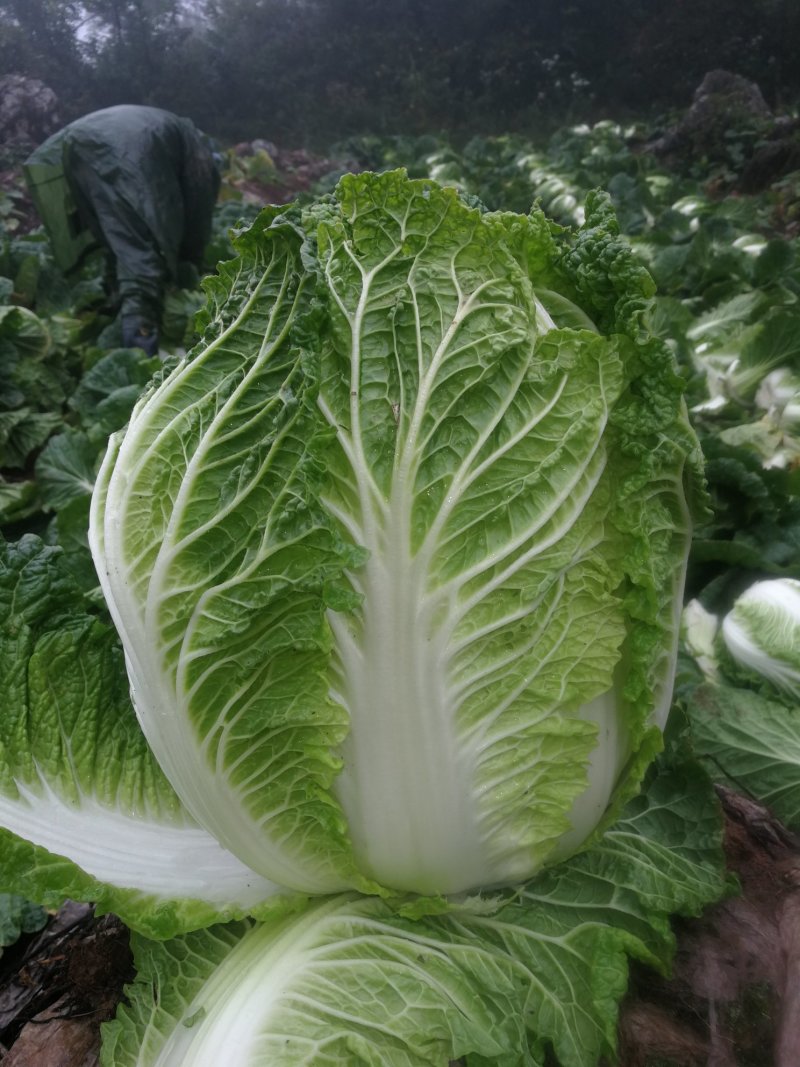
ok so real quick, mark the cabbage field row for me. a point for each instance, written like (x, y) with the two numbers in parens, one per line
(263, 923)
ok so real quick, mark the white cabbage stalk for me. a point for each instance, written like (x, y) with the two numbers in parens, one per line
(718, 364)
(710, 407)
(782, 459)
(699, 630)
(691, 206)
(779, 396)
(762, 632)
(752, 243)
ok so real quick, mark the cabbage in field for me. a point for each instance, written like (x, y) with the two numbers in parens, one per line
(762, 633)
(396, 557)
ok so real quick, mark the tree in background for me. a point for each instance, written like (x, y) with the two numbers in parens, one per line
(313, 71)
(133, 47)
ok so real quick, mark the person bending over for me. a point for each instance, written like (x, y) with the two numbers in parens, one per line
(139, 182)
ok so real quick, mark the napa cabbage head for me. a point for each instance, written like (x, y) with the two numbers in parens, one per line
(397, 553)
(761, 633)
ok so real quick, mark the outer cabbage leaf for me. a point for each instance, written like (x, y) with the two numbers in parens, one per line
(23, 330)
(726, 318)
(18, 500)
(65, 469)
(349, 981)
(753, 742)
(218, 565)
(396, 561)
(84, 810)
(21, 432)
(18, 916)
(108, 391)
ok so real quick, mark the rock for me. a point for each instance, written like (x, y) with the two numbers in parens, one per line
(56, 1043)
(28, 113)
(723, 104)
(773, 158)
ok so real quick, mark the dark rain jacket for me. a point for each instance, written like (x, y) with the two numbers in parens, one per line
(137, 181)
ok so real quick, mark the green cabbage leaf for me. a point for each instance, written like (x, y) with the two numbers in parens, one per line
(84, 809)
(752, 743)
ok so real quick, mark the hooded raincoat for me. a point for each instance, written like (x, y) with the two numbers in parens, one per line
(139, 182)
